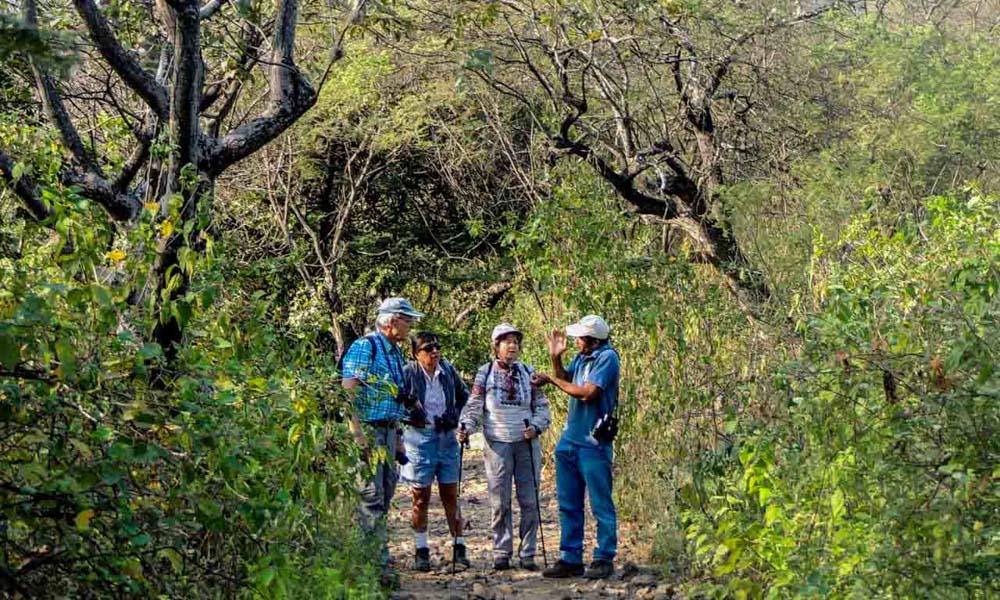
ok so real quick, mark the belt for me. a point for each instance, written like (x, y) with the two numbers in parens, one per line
(383, 424)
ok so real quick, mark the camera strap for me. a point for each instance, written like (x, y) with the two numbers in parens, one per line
(614, 411)
(586, 372)
(395, 366)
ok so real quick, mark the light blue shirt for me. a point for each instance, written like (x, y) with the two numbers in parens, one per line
(601, 368)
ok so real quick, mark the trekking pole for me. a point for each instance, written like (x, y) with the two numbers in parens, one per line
(538, 502)
(458, 495)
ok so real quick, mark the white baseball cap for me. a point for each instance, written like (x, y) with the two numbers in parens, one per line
(503, 329)
(589, 326)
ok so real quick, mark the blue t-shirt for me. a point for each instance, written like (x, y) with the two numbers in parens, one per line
(601, 368)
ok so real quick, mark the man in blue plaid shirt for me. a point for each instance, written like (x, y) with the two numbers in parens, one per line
(373, 374)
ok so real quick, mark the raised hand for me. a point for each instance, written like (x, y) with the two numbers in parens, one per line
(557, 342)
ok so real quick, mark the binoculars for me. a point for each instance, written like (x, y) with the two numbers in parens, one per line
(446, 422)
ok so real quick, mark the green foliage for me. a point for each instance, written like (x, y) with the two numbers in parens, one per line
(838, 440)
(216, 475)
(880, 481)
(892, 115)
(42, 46)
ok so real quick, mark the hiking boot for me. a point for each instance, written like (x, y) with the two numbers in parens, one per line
(599, 569)
(563, 570)
(422, 561)
(528, 563)
(460, 558)
(501, 564)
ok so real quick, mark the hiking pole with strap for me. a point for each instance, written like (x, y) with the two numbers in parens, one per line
(458, 495)
(538, 501)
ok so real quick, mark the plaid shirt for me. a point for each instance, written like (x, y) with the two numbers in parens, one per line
(380, 376)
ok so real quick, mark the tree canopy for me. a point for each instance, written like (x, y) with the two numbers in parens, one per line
(788, 212)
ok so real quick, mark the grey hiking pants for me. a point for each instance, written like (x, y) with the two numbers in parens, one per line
(376, 493)
(507, 463)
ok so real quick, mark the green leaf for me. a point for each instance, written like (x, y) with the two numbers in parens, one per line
(207, 296)
(103, 433)
(173, 557)
(265, 577)
(771, 514)
(182, 312)
(151, 350)
(83, 519)
(112, 476)
(121, 450)
(67, 358)
(837, 504)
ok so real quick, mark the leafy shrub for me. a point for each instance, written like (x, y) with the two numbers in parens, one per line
(215, 475)
(881, 479)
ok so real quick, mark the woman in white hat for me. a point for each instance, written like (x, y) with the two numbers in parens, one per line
(503, 397)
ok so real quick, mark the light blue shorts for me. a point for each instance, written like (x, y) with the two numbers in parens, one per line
(432, 456)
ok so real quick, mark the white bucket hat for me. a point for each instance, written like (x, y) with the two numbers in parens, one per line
(503, 329)
(589, 326)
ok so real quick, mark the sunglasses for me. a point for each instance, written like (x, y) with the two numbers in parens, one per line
(429, 347)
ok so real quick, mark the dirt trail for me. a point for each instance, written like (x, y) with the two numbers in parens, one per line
(631, 578)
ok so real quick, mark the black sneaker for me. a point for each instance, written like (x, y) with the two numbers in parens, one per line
(600, 569)
(528, 563)
(460, 558)
(563, 570)
(501, 564)
(422, 562)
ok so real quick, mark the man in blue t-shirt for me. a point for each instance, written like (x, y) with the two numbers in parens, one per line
(583, 461)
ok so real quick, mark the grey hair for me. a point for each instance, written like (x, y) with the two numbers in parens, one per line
(384, 320)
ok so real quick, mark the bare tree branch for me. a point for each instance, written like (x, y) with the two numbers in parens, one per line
(120, 60)
(134, 163)
(488, 299)
(54, 107)
(25, 188)
(211, 8)
(291, 96)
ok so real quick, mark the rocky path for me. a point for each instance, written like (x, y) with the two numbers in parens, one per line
(631, 579)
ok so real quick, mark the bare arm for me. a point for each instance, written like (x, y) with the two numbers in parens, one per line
(587, 392)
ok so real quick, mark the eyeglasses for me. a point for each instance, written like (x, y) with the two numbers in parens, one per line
(429, 347)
